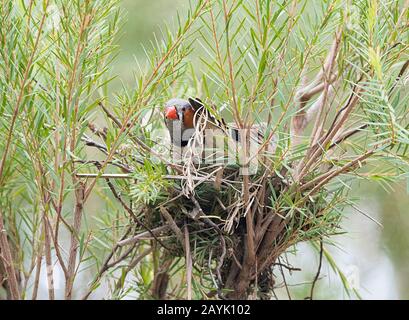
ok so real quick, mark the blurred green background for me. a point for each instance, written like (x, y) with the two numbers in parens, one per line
(143, 18)
(373, 259)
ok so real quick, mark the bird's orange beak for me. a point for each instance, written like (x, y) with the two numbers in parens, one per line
(171, 113)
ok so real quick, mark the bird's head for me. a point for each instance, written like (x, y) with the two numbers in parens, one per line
(179, 118)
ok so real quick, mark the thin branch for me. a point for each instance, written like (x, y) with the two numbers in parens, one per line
(143, 235)
(105, 267)
(285, 281)
(347, 135)
(131, 266)
(172, 225)
(188, 263)
(37, 274)
(8, 261)
(48, 258)
(78, 209)
(322, 180)
(287, 266)
(133, 216)
(318, 271)
(219, 231)
(401, 72)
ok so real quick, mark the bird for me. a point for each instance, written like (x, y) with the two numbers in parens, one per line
(185, 117)
(179, 117)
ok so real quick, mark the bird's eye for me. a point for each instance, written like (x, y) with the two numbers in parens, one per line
(184, 109)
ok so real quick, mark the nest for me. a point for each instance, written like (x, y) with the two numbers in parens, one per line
(230, 228)
(205, 211)
(215, 217)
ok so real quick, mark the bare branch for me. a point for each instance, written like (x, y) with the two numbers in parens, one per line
(172, 224)
(188, 263)
(78, 209)
(8, 261)
(318, 271)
